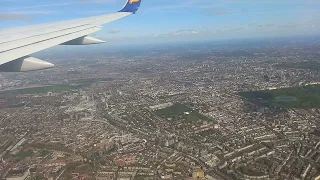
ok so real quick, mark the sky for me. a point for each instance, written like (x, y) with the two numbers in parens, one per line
(176, 20)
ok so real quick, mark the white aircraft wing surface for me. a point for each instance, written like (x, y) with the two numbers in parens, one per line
(16, 44)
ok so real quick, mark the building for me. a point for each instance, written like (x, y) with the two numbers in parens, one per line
(197, 173)
(18, 175)
(125, 160)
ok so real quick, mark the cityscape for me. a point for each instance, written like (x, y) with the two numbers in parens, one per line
(202, 110)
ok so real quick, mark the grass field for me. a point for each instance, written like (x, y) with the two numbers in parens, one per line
(44, 153)
(55, 147)
(181, 112)
(174, 112)
(302, 97)
(44, 89)
(24, 154)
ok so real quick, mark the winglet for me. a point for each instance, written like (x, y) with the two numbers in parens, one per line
(131, 6)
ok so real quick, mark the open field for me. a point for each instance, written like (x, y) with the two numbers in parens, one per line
(293, 97)
(43, 89)
(181, 112)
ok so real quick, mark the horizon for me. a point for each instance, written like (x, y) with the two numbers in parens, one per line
(138, 48)
(166, 21)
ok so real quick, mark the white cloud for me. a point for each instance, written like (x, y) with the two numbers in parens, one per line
(14, 16)
(22, 15)
(34, 12)
(113, 31)
(178, 33)
(64, 4)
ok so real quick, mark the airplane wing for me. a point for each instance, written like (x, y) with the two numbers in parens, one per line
(16, 44)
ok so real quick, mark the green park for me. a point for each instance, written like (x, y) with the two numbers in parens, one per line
(181, 112)
(292, 97)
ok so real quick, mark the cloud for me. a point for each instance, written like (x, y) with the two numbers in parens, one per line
(64, 4)
(205, 4)
(261, 26)
(178, 33)
(45, 5)
(184, 32)
(97, 1)
(252, 24)
(96, 12)
(114, 31)
(226, 29)
(195, 32)
(312, 23)
(14, 16)
(34, 12)
(214, 12)
(269, 25)
(22, 15)
(291, 25)
(155, 35)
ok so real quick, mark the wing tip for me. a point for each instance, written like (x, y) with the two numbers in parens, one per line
(131, 6)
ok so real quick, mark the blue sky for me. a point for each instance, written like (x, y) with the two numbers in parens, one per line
(167, 20)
